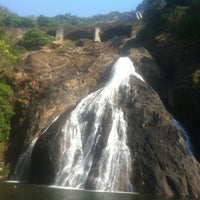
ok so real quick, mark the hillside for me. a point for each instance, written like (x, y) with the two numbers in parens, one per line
(43, 74)
(9, 19)
(171, 33)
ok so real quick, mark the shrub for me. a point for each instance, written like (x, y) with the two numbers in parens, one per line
(35, 38)
(196, 79)
(6, 110)
(6, 56)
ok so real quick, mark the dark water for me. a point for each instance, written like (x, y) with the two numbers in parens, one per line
(15, 191)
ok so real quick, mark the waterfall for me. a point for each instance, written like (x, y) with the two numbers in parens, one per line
(96, 117)
(138, 15)
(184, 136)
(92, 140)
(22, 170)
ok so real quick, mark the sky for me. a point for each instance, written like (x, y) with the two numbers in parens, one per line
(81, 8)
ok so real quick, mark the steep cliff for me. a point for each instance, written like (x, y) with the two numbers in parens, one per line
(170, 32)
(179, 89)
(160, 162)
(49, 84)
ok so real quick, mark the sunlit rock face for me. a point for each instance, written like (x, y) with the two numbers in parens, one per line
(98, 127)
(118, 138)
(93, 140)
(49, 82)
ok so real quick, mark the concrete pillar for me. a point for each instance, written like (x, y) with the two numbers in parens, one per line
(97, 35)
(20, 33)
(59, 35)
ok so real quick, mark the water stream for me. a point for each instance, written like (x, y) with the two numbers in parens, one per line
(84, 131)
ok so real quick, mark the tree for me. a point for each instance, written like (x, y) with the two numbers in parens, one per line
(28, 22)
(6, 93)
(35, 39)
(189, 26)
(43, 21)
(5, 54)
(4, 12)
(12, 20)
(6, 110)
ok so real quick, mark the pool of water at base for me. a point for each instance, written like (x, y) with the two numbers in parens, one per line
(19, 191)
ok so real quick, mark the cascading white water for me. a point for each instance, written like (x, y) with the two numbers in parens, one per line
(83, 131)
(93, 140)
(22, 168)
(184, 136)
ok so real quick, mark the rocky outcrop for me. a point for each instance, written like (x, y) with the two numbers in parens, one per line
(50, 83)
(146, 65)
(180, 82)
(161, 164)
(160, 161)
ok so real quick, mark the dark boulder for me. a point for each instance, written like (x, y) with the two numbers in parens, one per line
(161, 164)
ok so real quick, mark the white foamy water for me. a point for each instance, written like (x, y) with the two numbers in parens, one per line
(83, 132)
(93, 143)
(22, 169)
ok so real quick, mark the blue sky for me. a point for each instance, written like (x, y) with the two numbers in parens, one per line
(82, 8)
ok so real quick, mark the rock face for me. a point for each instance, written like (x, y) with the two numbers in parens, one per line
(180, 86)
(52, 86)
(160, 162)
(50, 82)
(146, 64)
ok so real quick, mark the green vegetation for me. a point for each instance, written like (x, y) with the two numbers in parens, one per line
(8, 50)
(9, 19)
(6, 110)
(179, 17)
(196, 79)
(35, 38)
(7, 56)
(3, 169)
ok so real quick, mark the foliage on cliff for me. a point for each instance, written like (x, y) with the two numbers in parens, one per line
(171, 32)
(35, 38)
(9, 19)
(6, 110)
(176, 17)
(7, 56)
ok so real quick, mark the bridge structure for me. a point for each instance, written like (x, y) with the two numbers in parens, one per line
(99, 32)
